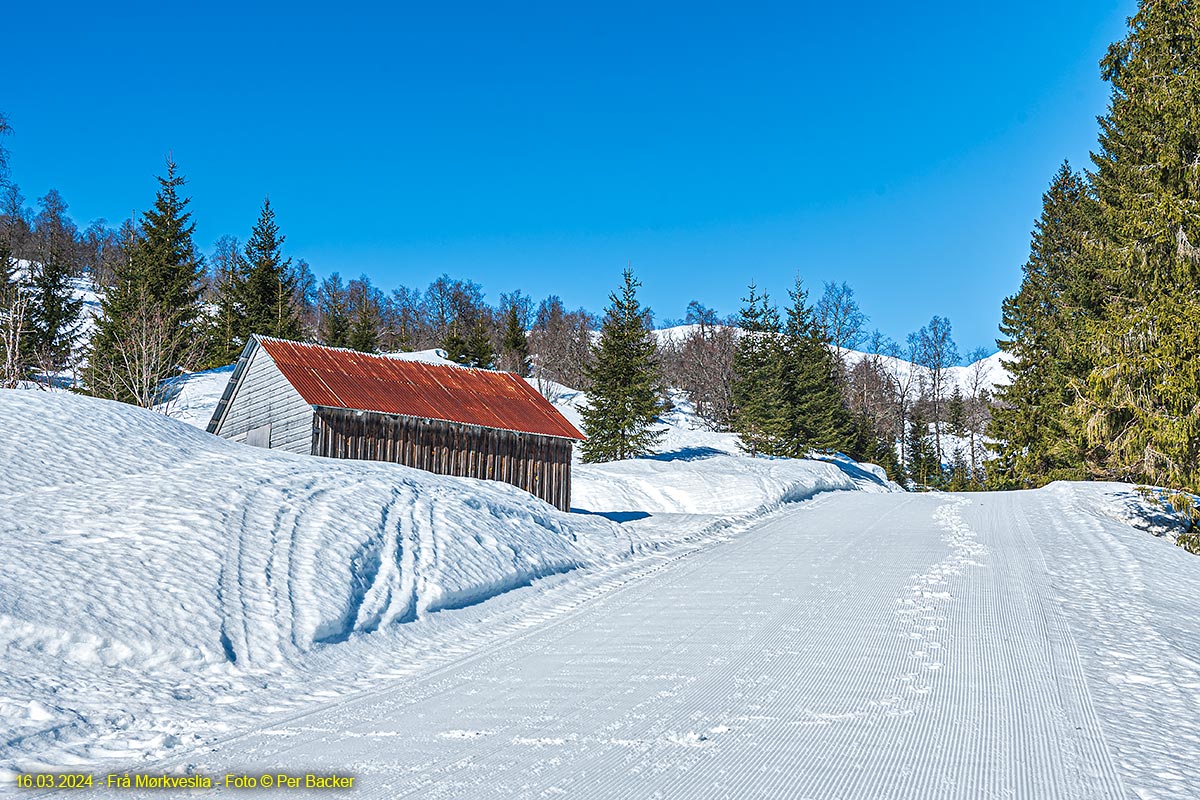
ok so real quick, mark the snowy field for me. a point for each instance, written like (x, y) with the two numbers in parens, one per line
(155, 573)
(1017, 645)
(704, 624)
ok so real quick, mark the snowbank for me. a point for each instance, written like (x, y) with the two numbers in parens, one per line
(155, 572)
(162, 539)
(136, 544)
(699, 471)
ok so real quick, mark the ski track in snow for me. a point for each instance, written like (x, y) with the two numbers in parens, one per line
(881, 646)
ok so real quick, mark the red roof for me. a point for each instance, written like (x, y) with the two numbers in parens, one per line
(335, 378)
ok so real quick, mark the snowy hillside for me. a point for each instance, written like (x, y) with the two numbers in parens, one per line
(695, 470)
(153, 570)
(991, 370)
(134, 543)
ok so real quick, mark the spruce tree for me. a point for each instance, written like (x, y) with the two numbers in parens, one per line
(960, 478)
(956, 412)
(168, 264)
(267, 289)
(1035, 435)
(149, 326)
(515, 344)
(455, 344)
(812, 415)
(756, 386)
(625, 398)
(923, 467)
(1137, 409)
(479, 351)
(333, 308)
(363, 334)
(54, 309)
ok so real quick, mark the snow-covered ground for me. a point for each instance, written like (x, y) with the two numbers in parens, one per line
(706, 624)
(1017, 644)
(155, 573)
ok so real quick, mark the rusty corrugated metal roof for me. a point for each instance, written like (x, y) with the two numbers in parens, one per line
(336, 378)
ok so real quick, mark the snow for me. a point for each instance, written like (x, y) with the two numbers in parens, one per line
(991, 370)
(705, 625)
(1016, 644)
(155, 572)
(193, 396)
(434, 356)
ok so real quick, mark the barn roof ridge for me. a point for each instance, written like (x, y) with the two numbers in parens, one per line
(340, 378)
(389, 356)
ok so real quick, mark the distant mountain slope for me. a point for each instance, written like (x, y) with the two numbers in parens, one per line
(991, 369)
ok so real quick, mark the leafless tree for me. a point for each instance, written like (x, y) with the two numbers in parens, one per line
(978, 407)
(14, 308)
(405, 326)
(151, 344)
(934, 349)
(102, 250)
(560, 345)
(701, 365)
(15, 235)
(838, 316)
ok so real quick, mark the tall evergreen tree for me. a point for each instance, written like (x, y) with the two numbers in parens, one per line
(626, 394)
(148, 326)
(1035, 435)
(366, 305)
(1138, 406)
(923, 467)
(267, 291)
(333, 310)
(757, 376)
(168, 264)
(54, 308)
(812, 416)
(515, 345)
(363, 334)
(956, 412)
(479, 351)
(455, 344)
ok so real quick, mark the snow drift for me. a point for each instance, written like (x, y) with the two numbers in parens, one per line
(155, 573)
(157, 540)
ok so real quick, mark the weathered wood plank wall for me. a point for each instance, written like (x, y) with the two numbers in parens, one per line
(541, 465)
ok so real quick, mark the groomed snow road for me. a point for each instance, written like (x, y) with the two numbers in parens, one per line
(855, 646)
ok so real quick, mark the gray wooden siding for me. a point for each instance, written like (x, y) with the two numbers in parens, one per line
(264, 397)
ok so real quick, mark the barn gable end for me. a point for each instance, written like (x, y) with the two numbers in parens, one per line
(262, 408)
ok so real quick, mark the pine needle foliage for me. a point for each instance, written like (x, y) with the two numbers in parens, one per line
(625, 399)
(812, 416)
(1139, 408)
(757, 376)
(149, 323)
(1036, 437)
(268, 284)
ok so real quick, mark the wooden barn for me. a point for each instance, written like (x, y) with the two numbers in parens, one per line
(325, 401)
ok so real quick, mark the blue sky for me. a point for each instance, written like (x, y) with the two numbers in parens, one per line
(901, 147)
